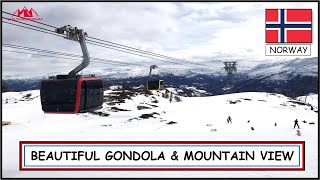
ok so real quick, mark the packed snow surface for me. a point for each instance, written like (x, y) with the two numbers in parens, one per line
(192, 119)
(311, 99)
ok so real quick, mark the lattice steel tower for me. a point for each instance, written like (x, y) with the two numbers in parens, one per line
(230, 68)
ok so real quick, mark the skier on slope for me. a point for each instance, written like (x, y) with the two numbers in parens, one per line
(296, 124)
(170, 97)
(229, 120)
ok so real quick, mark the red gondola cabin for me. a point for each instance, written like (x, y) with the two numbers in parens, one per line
(71, 95)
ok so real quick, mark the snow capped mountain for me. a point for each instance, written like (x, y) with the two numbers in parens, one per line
(287, 69)
(274, 71)
(153, 118)
(278, 70)
(294, 78)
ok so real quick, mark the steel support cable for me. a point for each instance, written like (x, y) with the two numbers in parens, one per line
(66, 54)
(146, 52)
(117, 44)
(143, 52)
(163, 58)
(40, 50)
(32, 29)
(89, 42)
(99, 44)
(39, 54)
(95, 43)
(19, 52)
(135, 49)
(28, 24)
(119, 62)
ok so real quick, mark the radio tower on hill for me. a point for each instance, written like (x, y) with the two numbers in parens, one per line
(230, 68)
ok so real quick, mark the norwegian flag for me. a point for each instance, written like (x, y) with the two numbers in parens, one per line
(288, 26)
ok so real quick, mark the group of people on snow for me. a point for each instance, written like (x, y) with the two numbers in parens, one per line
(229, 120)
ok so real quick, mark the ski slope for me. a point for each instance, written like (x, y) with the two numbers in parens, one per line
(311, 99)
(192, 119)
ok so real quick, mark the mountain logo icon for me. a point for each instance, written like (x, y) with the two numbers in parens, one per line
(25, 14)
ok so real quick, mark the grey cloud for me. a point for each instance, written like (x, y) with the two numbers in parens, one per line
(227, 14)
(167, 28)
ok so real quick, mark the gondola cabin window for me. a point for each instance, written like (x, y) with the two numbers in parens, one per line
(155, 84)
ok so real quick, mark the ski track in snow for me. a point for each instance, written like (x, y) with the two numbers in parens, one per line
(195, 117)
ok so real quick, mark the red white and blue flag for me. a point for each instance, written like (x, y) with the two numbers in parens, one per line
(288, 26)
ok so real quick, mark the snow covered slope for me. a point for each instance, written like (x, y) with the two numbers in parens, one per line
(133, 116)
(309, 99)
(287, 69)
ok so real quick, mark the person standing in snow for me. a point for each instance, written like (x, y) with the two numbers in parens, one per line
(170, 97)
(229, 120)
(296, 124)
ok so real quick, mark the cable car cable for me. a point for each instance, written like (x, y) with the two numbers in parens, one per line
(134, 49)
(66, 54)
(145, 52)
(89, 42)
(19, 52)
(126, 47)
(168, 57)
(32, 29)
(99, 45)
(39, 54)
(39, 50)
(28, 24)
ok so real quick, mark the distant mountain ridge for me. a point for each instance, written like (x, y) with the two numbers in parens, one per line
(293, 78)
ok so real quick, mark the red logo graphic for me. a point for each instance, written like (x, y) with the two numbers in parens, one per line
(25, 14)
(288, 25)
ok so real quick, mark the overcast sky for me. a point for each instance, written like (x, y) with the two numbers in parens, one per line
(197, 32)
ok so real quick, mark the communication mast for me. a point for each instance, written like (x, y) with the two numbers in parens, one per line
(230, 68)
